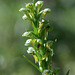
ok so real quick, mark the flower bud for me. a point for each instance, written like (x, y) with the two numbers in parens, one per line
(24, 17)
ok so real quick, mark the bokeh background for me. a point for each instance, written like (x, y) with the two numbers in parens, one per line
(12, 49)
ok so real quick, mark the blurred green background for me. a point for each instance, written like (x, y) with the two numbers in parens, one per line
(12, 49)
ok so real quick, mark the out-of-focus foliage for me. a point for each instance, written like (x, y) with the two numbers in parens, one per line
(62, 18)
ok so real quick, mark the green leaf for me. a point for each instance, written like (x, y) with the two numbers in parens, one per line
(37, 54)
(56, 71)
(34, 28)
(48, 28)
(49, 43)
(31, 63)
(35, 35)
(68, 72)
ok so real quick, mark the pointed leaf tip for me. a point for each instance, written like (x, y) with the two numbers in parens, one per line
(68, 72)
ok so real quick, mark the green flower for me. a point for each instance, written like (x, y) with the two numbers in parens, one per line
(30, 50)
(29, 5)
(27, 34)
(24, 17)
(22, 9)
(41, 48)
(39, 3)
(39, 41)
(45, 11)
(28, 42)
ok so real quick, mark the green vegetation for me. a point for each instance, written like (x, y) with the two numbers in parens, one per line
(12, 26)
(40, 48)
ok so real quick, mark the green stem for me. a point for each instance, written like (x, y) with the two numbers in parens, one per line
(35, 29)
(34, 1)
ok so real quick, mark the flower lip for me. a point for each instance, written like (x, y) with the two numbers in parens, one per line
(30, 50)
(39, 3)
(28, 42)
